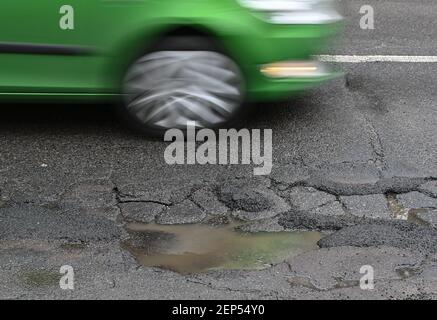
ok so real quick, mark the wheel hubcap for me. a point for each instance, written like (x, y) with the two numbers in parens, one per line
(167, 89)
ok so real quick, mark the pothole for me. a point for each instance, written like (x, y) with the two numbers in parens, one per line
(190, 249)
(40, 278)
(402, 213)
(414, 216)
(407, 271)
(398, 210)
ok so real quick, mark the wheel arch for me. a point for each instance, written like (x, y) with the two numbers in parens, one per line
(160, 35)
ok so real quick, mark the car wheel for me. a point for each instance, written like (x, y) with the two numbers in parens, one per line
(166, 89)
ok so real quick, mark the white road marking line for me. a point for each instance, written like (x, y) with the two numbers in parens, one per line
(376, 58)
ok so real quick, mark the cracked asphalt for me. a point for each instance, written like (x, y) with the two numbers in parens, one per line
(355, 159)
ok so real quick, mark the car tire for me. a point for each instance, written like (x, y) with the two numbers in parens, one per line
(182, 80)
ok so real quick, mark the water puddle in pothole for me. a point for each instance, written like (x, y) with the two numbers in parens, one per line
(402, 213)
(198, 248)
(398, 210)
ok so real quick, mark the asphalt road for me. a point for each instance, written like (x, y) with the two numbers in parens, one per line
(347, 156)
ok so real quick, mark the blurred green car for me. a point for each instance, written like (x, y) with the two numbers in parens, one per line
(167, 61)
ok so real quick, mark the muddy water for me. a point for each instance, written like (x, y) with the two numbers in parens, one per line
(397, 209)
(198, 248)
(402, 213)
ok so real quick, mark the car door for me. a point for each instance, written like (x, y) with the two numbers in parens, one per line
(49, 46)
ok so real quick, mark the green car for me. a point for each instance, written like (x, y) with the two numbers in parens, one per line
(167, 61)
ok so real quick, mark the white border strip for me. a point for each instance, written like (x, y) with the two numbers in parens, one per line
(376, 58)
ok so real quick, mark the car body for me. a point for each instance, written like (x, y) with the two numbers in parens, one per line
(40, 60)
